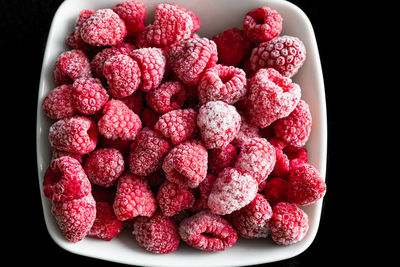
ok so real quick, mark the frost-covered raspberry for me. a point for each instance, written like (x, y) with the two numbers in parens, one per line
(103, 28)
(285, 53)
(224, 83)
(134, 197)
(119, 121)
(169, 96)
(191, 57)
(246, 132)
(104, 166)
(173, 198)
(252, 220)
(271, 97)
(148, 152)
(58, 103)
(106, 226)
(208, 232)
(71, 65)
(75, 217)
(89, 95)
(257, 157)
(288, 224)
(186, 164)
(178, 125)
(201, 203)
(133, 13)
(74, 39)
(231, 191)
(282, 164)
(262, 24)
(158, 234)
(276, 190)
(220, 158)
(65, 179)
(218, 123)
(77, 134)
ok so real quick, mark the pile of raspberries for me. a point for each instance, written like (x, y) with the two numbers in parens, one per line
(176, 137)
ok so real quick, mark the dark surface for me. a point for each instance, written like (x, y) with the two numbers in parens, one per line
(24, 29)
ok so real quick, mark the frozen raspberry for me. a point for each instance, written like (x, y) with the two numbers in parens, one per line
(201, 203)
(71, 65)
(58, 103)
(134, 197)
(296, 153)
(252, 220)
(133, 13)
(65, 179)
(220, 158)
(89, 95)
(178, 125)
(152, 63)
(149, 118)
(106, 226)
(104, 166)
(103, 28)
(75, 217)
(135, 101)
(218, 123)
(276, 190)
(224, 83)
(55, 154)
(231, 191)
(74, 39)
(282, 164)
(77, 134)
(271, 97)
(288, 224)
(295, 129)
(190, 58)
(148, 152)
(173, 198)
(257, 157)
(119, 121)
(246, 132)
(262, 24)
(306, 185)
(158, 234)
(232, 46)
(122, 74)
(286, 54)
(169, 96)
(208, 232)
(186, 164)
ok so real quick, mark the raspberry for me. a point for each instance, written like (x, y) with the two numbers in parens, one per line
(190, 58)
(186, 164)
(152, 63)
(204, 189)
(106, 226)
(65, 180)
(74, 39)
(135, 102)
(232, 46)
(122, 74)
(133, 198)
(89, 95)
(173, 198)
(252, 220)
(158, 234)
(276, 190)
(224, 83)
(262, 24)
(149, 118)
(133, 13)
(219, 124)
(306, 185)
(296, 153)
(119, 121)
(71, 65)
(77, 134)
(282, 164)
(246, 132)
(169, 96)
(220, 158)
(75, 217)
(55, 154)
(288, 224)
(104, 166)
(103, 28)
(231, 191)
(147, 152)
(208, 232)
(178, 125)
(295, 129)
(286, 54)
(58, 103)
(257, 157)
(271, 97)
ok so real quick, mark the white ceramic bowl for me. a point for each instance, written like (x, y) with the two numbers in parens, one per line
(215, 16)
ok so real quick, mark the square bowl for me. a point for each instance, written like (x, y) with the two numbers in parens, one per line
(215, 16)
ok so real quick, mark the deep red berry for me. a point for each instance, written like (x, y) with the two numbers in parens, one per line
(58, 103)
(173, 198)
(220, 158)
(169, 96)
(276, 190)
(246, 132)
(89, 95)
(201, 203)
(106, 226)
(133, 13)
(71, 65)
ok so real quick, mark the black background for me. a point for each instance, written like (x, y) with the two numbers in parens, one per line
(24, 29)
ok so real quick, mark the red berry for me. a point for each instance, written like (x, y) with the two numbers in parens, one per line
(133, 14)
(173, 198)
(106, 226)
(89, 95)
(55, 154)
(71, 65)
(169, 96)
(276, 190)
(282, 164)
(220, 158)
(204, 189)
(58, 103)
(136, 102)
(246, 132)
(74, 39)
